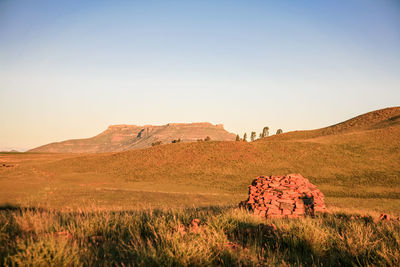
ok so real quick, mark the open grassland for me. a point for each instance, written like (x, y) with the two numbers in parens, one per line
(356, 169)
(225, 236)
(128, 207)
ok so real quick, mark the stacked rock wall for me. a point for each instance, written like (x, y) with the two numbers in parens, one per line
(283, 196)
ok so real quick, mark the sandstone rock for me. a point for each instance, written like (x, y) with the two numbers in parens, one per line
(195, 222)
(180, 229)
(286, 212)
(232, 245)
(194, 226)
(283, 196)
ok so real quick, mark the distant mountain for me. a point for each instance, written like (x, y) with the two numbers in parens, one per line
(127, 137)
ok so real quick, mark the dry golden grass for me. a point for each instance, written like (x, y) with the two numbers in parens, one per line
(357, 163)
(114, 197)
(225, 236)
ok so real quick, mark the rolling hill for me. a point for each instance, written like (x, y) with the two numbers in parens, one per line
(364, 155)
(126, 137)
(355, 164)
(377, 119)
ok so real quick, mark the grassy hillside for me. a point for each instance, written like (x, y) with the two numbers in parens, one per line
(377, 119)
(366, 157)
(354, 167)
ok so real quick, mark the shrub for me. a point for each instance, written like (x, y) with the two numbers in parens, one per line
(265, 132)
(156, 143)
(253, 136)
(237, 138)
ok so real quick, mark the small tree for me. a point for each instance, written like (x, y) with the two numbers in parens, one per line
(237, 138)
(207, 139)
(265, 132)
(245, 137)
(279, 131)
(156, 143)
(253, 136)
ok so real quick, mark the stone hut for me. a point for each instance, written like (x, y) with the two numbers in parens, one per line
(290, 196)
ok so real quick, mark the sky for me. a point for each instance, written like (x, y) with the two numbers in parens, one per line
(69, 69)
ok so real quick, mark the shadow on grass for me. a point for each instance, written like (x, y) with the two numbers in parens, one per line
(295, 247)
(270, 239)
(13, 207)
(149, 237)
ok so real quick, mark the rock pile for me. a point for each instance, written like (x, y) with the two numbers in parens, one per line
(283, 196)
(387, 217)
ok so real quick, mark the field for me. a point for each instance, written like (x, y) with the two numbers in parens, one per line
(135, 207)
(225, 236)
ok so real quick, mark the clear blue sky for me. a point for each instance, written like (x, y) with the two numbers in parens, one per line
(68, 69)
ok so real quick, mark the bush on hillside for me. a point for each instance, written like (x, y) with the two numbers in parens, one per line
(156, 143)
(265, 132)
(253, 136)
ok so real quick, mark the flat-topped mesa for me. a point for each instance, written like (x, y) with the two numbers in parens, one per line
(115, 126)
(121, 126)
(289, 196)
(194, 124)
(124, 137)
(174, 124)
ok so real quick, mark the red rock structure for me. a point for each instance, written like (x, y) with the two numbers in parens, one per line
(389, 218)
(283, 196)
(384, 217)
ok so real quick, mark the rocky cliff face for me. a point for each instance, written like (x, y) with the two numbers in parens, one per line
(126, 137)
